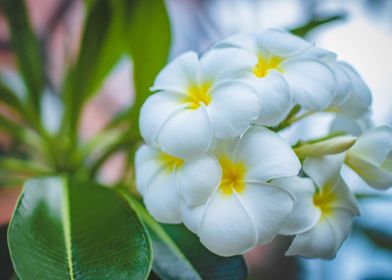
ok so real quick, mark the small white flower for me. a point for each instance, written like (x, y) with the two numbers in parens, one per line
(282, 68)
(371, 157)
(322, 217)
(198, 100)
(245, 209)
(158, 176)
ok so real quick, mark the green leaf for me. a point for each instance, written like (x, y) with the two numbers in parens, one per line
(315, 23)
(178, 253)
(101, 48)
(380, 238)
(149, 43)
(64, 229)
(26, 47)
(9, 98)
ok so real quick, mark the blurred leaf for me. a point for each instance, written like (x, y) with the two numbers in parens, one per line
(207, 263)
(315, 23)
(101, 47)
(26, 47)
(178, 253)
(9, 98)
(149, 36)
(65, 229)
(380, 238)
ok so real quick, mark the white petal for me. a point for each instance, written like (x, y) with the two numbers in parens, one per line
(187, 133)
(312, 82)
(162, 200)
(198, 179)
(155, 112)
(325, 239)
(227, 229)
(282, 43)
(245, 41)
(355, 127)
(359, 100)
(233, 106)
(219, 64)
(343, 84)
(275, 98)
(319, 54)
(178, 74)
(147, 166)
(374, 145)
(374, 176)
(305, 214)
(324, 170)
(266, 155)
(269, 206)
(192, 216)
(345, 199)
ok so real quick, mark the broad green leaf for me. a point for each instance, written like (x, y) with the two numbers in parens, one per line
(178, 253)
(315, 23)
(26, 47)
(64, 229)
(148, 31)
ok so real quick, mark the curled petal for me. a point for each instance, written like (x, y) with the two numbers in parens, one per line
(187, 134)
(226, 228)
(155, 112)
(266, 155)
(324, 170)
(246, 41)
(232, 107)
(147, 166)
(323, 240)
(305, 214)
(228, 63)
(178, 74)
(198, 179)
(312, 82)
(355, 127)
(275, 98)
(282, 43)
(374, 145)
(161, 198)
(269, 206)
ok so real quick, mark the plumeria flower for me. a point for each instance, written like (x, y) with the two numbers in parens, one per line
(198, 100)
(355, 127)
(281, 70)
(371, 157)
(245, 209)
(160, 175)
(322, 217)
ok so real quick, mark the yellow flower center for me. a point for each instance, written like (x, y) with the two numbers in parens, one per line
(265, 64)
(169, 162)
(324, 199)
(233, 175)
(198, 94)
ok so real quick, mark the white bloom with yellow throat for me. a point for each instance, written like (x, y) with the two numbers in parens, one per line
(282, 70)
(245, 209)
(322, 217)
(371, 157)
(198, 100)
(164, 180)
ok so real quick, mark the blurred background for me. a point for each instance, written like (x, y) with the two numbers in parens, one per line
(359, 31)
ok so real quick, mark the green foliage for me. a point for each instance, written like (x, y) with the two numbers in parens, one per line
(67, 229)
(26, 47)
(316, 22)
(178, 253)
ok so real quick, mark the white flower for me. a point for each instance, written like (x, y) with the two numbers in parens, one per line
(159, 174)
(371, 157)
(280, 69)
(322, 217)
(355, 127)
(245, 209)
(198, 100)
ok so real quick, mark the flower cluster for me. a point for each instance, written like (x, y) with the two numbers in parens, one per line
(215, 159)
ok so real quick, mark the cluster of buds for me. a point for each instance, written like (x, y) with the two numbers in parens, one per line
(215, 158)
